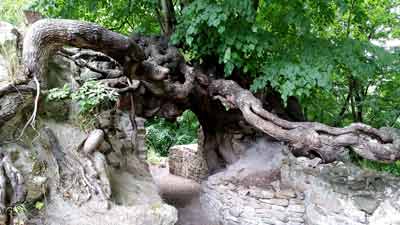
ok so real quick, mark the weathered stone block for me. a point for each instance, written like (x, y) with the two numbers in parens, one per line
(187, 161)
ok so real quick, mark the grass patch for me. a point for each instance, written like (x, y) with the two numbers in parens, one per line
(391, 168)
(153, 157)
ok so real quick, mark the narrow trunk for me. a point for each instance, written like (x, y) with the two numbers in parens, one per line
(168, 17)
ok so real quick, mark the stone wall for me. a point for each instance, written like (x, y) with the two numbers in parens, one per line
(186, 161)
(301, 191)
(227, 203)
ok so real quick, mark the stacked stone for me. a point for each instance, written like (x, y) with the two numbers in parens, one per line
(341, 193)
(187, 161)
(140, 146)
(227, 203)
(305, 193)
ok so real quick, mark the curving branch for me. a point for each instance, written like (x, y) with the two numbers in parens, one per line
(83, 58)
(310, 138)
(47, 36)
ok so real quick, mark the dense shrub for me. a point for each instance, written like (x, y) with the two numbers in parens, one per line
(163, 134)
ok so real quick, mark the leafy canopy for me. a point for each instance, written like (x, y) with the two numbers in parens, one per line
(119, 15)
(310, 49)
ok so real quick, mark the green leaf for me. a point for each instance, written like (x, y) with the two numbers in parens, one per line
(227, 56)
(39, 205)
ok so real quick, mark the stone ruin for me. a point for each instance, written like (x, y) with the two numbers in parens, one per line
(270, 186)
(188, 162)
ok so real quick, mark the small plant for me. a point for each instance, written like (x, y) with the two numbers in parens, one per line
(86, 122)
(59, 94)
(39, 205)
(392, 168)
(10, 58)
(153, 158)
(20, 209)
(93, 94)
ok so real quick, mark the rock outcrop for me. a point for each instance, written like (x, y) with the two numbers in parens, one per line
(84, 174)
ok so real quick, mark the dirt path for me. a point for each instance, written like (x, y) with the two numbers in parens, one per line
(181, 193)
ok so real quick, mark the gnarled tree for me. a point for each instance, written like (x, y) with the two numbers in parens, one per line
(155, 76)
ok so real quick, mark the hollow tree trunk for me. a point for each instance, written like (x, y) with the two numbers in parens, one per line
(167, 85)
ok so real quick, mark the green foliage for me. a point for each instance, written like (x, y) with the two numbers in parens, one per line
(90, 96)
(119, 15)
(153, 157)
(39, 205)
(392, 168)
(59, 94)
(162, 134)
(301, 48)
(12, 11)
(94, 94)
(20, 209)
(215, 28)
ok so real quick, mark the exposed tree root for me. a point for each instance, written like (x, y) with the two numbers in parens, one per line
(83, 171)
(8, 173)
(16, 88)
(84, 58)
(3, 193)
(94, 168)
(32, 119)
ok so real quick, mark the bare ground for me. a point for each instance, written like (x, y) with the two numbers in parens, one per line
(182, 193)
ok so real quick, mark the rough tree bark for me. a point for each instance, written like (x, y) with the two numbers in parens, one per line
(9, 174)
(166, 85)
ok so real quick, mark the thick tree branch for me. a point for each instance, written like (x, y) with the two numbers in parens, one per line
(47, 36)
(308, 138)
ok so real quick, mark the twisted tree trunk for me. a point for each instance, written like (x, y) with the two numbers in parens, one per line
(166, 85)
